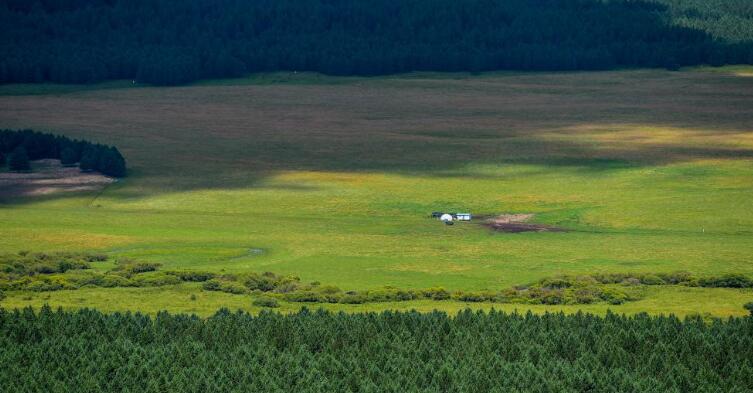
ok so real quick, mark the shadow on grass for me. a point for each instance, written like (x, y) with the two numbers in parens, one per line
(216, 138)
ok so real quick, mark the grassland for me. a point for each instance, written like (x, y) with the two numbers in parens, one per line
(331, 179)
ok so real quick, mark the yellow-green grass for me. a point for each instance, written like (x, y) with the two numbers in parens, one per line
(332, 178)
(189, 298)
(735, 70)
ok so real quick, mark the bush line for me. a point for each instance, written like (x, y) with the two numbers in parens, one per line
(42, 272)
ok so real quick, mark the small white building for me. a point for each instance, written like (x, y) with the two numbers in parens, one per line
(448, 218)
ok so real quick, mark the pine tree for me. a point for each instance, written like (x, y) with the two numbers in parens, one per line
(68, 157)
(111, 163)
(89, 159)
(19, 160)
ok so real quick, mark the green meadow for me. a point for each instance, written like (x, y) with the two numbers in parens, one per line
(332, 179)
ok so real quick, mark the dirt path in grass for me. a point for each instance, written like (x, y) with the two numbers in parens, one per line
(516, 223)
(50, 177)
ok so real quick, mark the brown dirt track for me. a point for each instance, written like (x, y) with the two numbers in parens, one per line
(516, 223)
(49, 177)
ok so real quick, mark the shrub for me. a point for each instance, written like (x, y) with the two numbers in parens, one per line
(552, 297)
(676, 277)
(266, 301)
(142, 267)
(304, 296)
(613, 296)
(727, 281)
(586, 295)
(286, 287)
(748, 306)
(45, 284)
(113, 280)
(212, 285)
(610, 278)
(192, 276)
(556, 283)
(329, 289)
(263, 283)
(353, 298)
(406, 295)
(651, 279)
(2, 295)
(436, 293)
(155, 279)
(95, 257)
(233, 287)
(382, 295)
(471, 297)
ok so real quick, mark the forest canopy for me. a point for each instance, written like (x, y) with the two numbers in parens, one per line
(174, 42)
(88, 351)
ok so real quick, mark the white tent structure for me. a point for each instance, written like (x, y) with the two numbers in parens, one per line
(446, 218)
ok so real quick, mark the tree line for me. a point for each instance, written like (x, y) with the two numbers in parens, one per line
(174, 42)
(43, 272)
(22, 146)
(319, 351)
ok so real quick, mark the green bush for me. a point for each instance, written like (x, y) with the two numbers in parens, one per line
(382, 295)
(329, 290)
(2, 295)
(586, 295)
(727, 281)
(192, 276)
(142, 267)
(266, 301)
(212, 285)
(304, 296)
(286, 287)
(402, 295)
(555, 296)
(748, 306)
(613, 296)
(353, 298)
(155, 279)
(233, 287)
(45, 284)
(651, 279)
(556, 283)
(471, 297)
(95, 257)
(437, 294)
(676, 277)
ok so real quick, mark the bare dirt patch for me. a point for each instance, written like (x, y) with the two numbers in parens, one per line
(50, 177)
(516, 223)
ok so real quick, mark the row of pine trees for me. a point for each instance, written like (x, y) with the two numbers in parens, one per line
(88, 351)
(19, 147)
(174, 42)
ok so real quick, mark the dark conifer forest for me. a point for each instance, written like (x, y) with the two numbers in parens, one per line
(87, 351)
(173, 42)
(24, 145)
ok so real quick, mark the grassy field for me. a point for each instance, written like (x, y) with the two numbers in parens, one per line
(332, 179)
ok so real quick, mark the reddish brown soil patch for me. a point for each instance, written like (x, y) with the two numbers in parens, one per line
(49, 177)
(516, 223)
